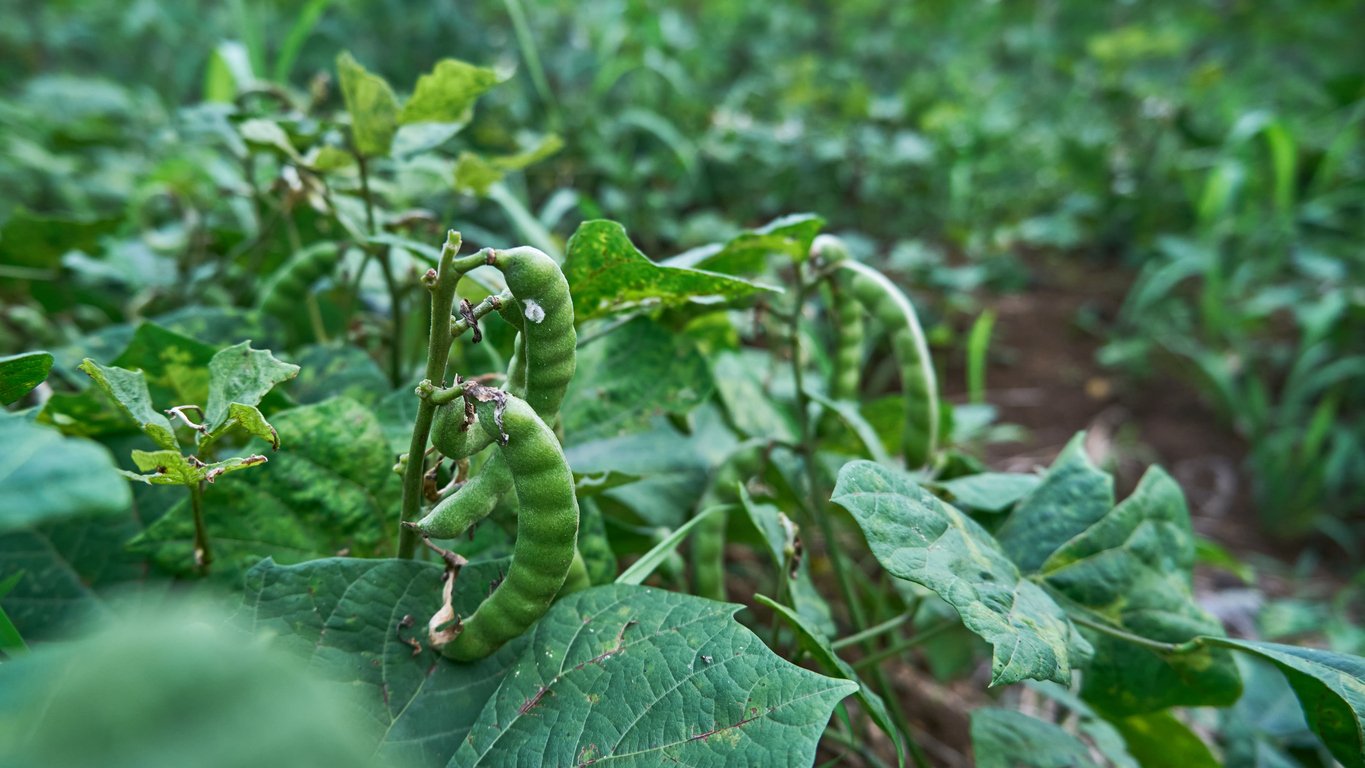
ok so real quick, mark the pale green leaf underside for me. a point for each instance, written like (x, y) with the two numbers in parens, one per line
(632, 676)
(918, 537)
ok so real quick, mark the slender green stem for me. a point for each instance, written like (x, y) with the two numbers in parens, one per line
(441, 282)
(1155, 645)
(386, 270)
(870, 632)
(917, 639)
(203, 555)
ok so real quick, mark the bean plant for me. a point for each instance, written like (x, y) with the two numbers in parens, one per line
(599, 508)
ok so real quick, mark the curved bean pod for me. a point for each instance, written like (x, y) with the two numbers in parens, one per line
(890, 307)
(547, 525)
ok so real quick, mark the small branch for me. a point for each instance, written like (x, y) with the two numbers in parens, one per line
(494, 303)
(919, 638)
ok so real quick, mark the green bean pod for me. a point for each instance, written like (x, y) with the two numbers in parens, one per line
(471, 503)
(547, 525)
(547, 323)
(291, 281)
(891, 308)
(708, 540)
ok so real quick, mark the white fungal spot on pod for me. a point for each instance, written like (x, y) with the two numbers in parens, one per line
(533, 311)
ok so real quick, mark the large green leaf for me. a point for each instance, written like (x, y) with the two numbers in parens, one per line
(174, 365)
(1160, 740)
(607, 274)
(330, 488)
(1331, 690)
(347, 617)
(1003, 738)
(1127, 567)
(633, 676)
(918, 537)
(447, 93)
(66, 566)
(168, 689)
(333, 370)
(628, 377)
(814, 642)
(45, 476)
(371, 104)
(19, 374)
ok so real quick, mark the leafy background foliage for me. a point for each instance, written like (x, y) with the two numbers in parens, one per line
(1190, 172)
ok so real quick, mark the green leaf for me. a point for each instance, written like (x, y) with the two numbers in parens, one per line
(346, 617)
(638, 371)
(269, 134)
(989, 491)
(447, 93)
(607, 274)
(1330, 687)
(19, 374)
(1003, 738)
(174, 365)
(172, 688)
(66, 565)
(475, 174)
(748, 252)
(1160, 740)
(330, 488)
(39, 241)
(46, 476)
(250, 419)
(242, 375)
(814, 642)
(170, 468)
(129, 390)
(918, 537)
(744, 381)
(1072, 496)
(11, 641)
(1130, 566)
(633, 676)
(331, 370)
(371, 104)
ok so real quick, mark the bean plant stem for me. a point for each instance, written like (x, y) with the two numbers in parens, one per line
(203, 555)
(917, 639)
(386, 270)
(870, 632)
(442, 286)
